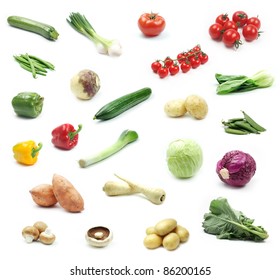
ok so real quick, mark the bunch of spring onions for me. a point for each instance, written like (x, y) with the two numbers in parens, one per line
(82, 25)
(34, 64)
(241, 83)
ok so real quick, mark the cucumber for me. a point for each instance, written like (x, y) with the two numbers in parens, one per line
(122, 104)
(37, 27)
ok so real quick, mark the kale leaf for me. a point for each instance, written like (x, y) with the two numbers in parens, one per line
(227, 223)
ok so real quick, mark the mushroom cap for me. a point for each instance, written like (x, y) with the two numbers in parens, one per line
(30, 233)
(99, 236)
(47, 237)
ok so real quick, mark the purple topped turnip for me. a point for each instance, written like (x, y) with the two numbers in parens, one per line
(236, 168)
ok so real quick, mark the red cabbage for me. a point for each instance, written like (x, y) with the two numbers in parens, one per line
(236, 168)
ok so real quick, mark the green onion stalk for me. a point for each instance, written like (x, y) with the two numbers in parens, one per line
(241, 83)
(104, 46)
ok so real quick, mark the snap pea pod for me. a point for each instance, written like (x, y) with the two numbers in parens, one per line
(235, 131)
(253, 123)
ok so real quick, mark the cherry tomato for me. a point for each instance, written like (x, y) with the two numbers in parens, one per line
(174, 69)
(196, 49)
(230, 25)
(155, 66)
(250, 32)
(163, 72)
(255, 21)
(181, 57)
(203, 57)
(231, 38)
(185, 67)
(240, 18)
(151, 24)
(215, 31)
(168, 62)
(195, 62)
(222, 19)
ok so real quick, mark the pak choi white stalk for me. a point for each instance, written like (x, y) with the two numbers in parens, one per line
(104, 46)
(241, 83)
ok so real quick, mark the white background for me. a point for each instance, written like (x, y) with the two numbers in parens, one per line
(143, 161)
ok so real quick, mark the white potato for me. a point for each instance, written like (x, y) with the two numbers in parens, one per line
(175, 108)
(196, 106)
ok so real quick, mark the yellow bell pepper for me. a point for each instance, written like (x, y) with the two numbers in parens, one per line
(27, 152)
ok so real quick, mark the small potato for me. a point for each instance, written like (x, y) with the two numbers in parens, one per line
(196, 107)
(66, 194)
(152, 241)
(150, 230)
(182, 232)
(43, 195)
(175, 108)
(171, 241)
(165, 226)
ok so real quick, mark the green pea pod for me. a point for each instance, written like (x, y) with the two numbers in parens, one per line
(28, 104)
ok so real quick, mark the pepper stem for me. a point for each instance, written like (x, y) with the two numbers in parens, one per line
(34, 151)
(72, 134)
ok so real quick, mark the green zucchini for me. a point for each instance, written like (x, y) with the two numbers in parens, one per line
(37, 27)
(122, 104)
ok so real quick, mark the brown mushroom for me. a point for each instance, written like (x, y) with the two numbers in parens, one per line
(30, 233)
(47, 237)
(99, 236)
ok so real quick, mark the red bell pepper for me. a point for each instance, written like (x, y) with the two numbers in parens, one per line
(66, 136)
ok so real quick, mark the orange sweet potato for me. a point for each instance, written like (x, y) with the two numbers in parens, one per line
(43, 195)
(66, 194)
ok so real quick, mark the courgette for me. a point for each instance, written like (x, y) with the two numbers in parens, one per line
(122, 104)
(43, 29)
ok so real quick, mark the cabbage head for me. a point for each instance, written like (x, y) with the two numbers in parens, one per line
(184, 158)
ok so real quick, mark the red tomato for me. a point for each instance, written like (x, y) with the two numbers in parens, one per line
(155, 66)
(255, 21)
(215, 31)
(230, 25)
(240, 18)
(250, 32)
(181, 57)
(222, 19)
(231, 38)
(162, 72)
(185, 67)
(151, 24)
(195, 62)
(174, 69)
(203, 57)
(168, 62)
(196, 48)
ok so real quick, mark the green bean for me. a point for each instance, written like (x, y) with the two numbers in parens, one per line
(253, 123)
(245, 125)
(236, 131)
(31, 66)
(44, 62)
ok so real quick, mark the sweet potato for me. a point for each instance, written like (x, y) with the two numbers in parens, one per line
(66, 194)
(43, 195)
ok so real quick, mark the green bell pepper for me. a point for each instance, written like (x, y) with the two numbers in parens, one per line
(28, 104)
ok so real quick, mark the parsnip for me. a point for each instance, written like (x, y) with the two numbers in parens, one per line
(155, 195)
(113, 188)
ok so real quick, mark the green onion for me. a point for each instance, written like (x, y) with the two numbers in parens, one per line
(82, 25)
(241, 83)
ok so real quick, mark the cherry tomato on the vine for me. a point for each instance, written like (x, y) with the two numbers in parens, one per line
(168, 62)
(231, 38)
(230, 25)
(250, 32)
(255, 21)
(174, 69)
(196, 49)
(163, 72)
(203, 57)
(151, 24)
(185, 67)
(181, 57)
(195, 62)
(222, 19)
(155, 66)
(215, 31)
(240, 18)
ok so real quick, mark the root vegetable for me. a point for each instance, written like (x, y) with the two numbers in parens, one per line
(182, 232)
(152, 241)
(150, 230)
(165, 226)
(113, 188)
(171, 241)
(66, 194)
(43, 195)
(196, 106)
(175, 108)
(155, 195)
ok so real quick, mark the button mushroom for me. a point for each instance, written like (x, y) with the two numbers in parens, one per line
(47, 237)
(99, 236)
(30, 233)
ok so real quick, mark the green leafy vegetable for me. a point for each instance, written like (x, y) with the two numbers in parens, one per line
(241, 83)
(33, 64)
(227, 223)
